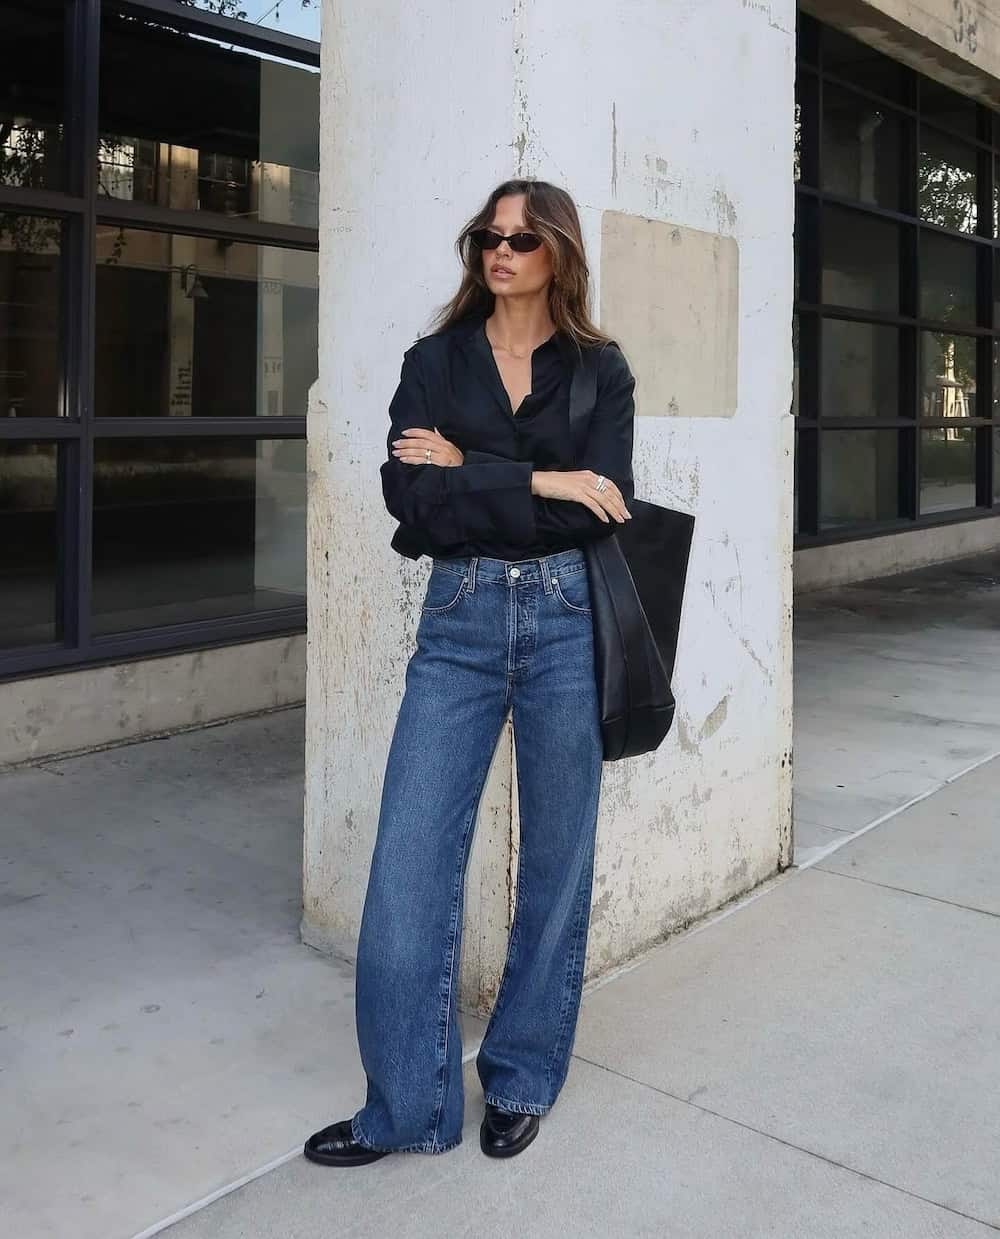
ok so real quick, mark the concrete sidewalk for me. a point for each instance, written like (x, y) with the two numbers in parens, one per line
(822, 1061)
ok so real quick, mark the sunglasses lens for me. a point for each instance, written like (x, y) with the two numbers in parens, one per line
(519, 242)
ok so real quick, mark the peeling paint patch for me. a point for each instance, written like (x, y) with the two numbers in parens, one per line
(725, 212)
(614, 150)
(684, 739)
(715, 720)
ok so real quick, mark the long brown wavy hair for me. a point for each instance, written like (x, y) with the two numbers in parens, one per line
(551, 212)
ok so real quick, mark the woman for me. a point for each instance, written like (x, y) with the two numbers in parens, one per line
(480, 473)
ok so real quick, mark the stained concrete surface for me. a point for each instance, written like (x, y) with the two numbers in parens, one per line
(815, 1064)
(162, 1028)
(822, 1062)
(897, 685)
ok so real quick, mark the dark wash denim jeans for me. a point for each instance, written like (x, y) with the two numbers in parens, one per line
(494, 635)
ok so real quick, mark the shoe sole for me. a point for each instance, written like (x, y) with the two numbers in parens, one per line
(331, 1159)
(512, 1151)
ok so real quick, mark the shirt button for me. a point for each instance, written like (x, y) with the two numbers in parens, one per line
(515, 572)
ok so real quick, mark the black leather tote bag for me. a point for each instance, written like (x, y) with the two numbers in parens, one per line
(636, 578)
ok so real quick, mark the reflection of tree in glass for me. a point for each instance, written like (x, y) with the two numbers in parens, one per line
(947, 196)
(232, 8)
(28, 155)
(946, 193)
(25, 152)
(953, 373)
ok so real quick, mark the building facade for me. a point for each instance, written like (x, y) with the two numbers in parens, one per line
(792, 223)
(897, 287)
(158, 281)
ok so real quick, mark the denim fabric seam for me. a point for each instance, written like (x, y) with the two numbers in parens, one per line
(516, 1107)
(423, 1146)
(511, 646)
(568, 993)
(454, 602)
(566, 602)
(444, 1018)
(512, 941)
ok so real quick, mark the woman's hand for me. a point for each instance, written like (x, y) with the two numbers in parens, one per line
(412, 450)
(578, 485)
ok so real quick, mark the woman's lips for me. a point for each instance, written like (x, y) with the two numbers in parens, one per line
(501, 274)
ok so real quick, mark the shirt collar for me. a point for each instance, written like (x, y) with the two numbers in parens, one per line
(474, 338)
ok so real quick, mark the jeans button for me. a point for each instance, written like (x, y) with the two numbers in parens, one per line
(515, 572)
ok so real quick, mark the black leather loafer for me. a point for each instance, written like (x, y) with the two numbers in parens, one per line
(504, 1134)
(335, 1146)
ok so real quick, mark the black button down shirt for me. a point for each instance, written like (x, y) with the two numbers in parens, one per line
(450, 380)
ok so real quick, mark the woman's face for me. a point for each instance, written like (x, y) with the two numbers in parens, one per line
(508, 274)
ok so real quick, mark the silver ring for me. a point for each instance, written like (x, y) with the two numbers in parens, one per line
(427, 456)
(601, 483)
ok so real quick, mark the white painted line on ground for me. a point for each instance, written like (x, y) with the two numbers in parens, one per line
(157, 1227)
(821, 853)
(765, 888)
(670, 943)
(197, 1205)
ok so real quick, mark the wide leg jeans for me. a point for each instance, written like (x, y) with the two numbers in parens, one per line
(494, 636)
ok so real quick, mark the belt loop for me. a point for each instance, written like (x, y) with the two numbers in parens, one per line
(471, 571)
(546, 573)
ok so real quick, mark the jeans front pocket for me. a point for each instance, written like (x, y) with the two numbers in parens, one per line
(572, 588)
(445, 588)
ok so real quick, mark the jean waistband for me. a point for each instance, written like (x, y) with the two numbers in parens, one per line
(483, 568)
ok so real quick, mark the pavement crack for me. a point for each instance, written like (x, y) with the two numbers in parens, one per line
(905, 890)
(789, 1144)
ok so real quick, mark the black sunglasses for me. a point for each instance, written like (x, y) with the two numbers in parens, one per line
(519, 242)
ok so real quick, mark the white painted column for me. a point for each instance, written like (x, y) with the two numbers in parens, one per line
(672, 127)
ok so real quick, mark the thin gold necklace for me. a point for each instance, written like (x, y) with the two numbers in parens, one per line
(518, 356)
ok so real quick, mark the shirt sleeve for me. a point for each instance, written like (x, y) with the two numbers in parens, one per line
(485, 496)
(607, 450)
(488, 494)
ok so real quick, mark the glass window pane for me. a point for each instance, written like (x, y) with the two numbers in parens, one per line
(795, 365)
(31, 93)
(996, 466)
(194, 529)
(859, 476)
(996, 288)
(942, 106)
(187, 327)
(298, 17)
(861, 144)
(860, 371)
(948, 375)
(946, 182)
(862, 65)
(947, 469)
(795, 486)
(806, 37)
(30, 354)
(995, 348)
(947, 279)
(29, 544)
(215, 128)
(860, 261)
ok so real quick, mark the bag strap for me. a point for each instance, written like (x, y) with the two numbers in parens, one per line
(583, 394)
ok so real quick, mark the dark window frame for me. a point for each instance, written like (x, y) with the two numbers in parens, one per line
(810, 310)
(80, 208)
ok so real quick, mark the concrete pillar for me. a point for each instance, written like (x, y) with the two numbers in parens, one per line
(672, 126)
